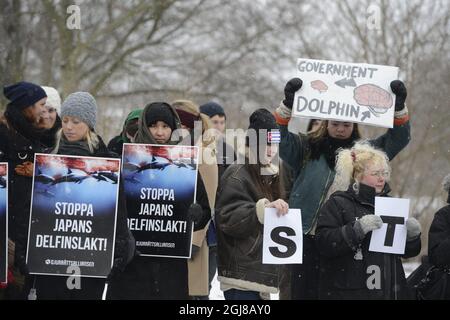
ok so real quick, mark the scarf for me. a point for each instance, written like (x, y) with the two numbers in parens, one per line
(328, 147)
(76, 148)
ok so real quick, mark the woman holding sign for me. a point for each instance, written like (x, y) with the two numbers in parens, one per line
(78, 138)
(158, 277)
(348, 270)
(312, 158)
(245, 191)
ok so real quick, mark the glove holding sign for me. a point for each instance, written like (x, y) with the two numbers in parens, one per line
(366, 224)
(290, 89)
(399, 89)
(195, 214)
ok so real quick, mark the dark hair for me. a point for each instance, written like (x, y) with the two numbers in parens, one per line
(311, 123)
(268, 187)
(322, 132)
(132, 127)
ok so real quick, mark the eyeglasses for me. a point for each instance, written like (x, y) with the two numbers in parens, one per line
(379, 174)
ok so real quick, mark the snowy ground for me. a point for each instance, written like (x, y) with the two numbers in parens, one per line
(217, 294)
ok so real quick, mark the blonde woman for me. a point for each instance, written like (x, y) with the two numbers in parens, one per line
(344, 228)
(78, 138)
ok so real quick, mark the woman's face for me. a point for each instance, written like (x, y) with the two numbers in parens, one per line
(74, 129)
(340, 130)
(34, 113)
(48, 118)
(316, 125)
(160, 131)
(271, 152)
(375, 176)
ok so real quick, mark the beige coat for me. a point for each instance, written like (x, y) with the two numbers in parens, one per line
(198, 266)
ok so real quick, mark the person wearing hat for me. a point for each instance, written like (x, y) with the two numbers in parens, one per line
(312, 158)
(160, 278)
(128, 132)
(77, 137)
(439, 237)
(245, 191)
(19, 141)
(50, 120)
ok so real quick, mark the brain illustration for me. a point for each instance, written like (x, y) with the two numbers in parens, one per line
(374, 97)
(319, 85)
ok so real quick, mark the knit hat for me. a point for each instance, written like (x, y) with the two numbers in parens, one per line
(446, 186)
(264, 119)
(160, 111)
(81, 105)
(53, 99)
(23, 94)
(212, 109)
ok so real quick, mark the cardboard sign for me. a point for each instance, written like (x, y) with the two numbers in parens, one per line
(283, 237)
(3, 222)
(391, 237)
(160, 184)
(73, 215)
(350, 92)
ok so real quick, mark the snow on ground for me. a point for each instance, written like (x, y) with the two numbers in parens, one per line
(217, 294)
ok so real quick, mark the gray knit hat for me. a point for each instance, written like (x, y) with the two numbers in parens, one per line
(81, 105)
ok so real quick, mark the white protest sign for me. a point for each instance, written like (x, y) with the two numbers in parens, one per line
(351, 92)
(283, 237)
(391, 237)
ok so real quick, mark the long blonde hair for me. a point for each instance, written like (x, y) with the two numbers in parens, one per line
(192, 108)
(352, 163)
(91, 138)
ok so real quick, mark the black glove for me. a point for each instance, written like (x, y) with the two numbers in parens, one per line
(22, 265)
(195, 214)
(290, 89)
(399, 89)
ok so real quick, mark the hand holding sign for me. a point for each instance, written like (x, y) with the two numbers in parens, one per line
(399, 89)
(195, 214)
(413, 228)
(281, 206)
(290, 89)
(366, 224)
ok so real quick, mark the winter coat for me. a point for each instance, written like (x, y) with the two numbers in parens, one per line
(240, 233)
(19, 141)
(153, 278)
(124, 250)
(341, 275)
(439, 238)
(198, 265)
(313, 178)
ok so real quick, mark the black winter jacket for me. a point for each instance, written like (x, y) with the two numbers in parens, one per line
(16, 149)
(341, 275)
(439, 238)
(239, 232)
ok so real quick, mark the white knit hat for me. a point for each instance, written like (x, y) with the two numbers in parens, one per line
(53, 99)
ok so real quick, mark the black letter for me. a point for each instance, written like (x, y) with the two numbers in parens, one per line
(391, 221)
(288, 243)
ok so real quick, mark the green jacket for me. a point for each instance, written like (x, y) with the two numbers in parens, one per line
(313, 178)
